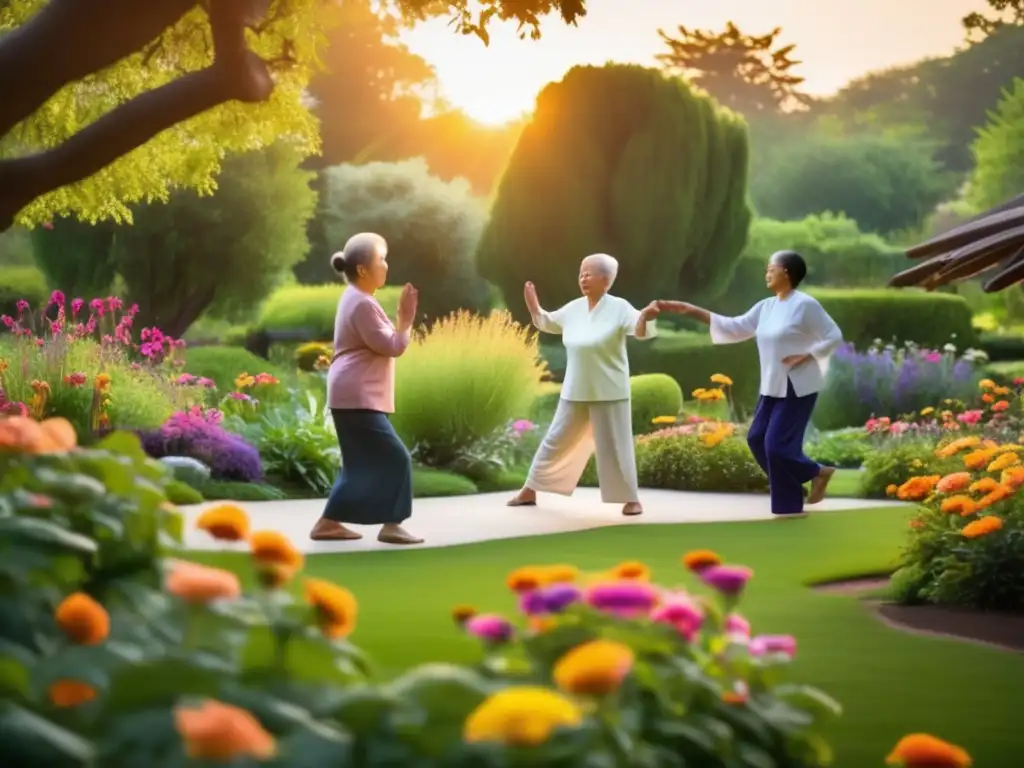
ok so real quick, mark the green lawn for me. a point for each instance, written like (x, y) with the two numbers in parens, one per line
(890, 683)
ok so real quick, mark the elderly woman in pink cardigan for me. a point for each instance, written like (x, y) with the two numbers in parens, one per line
(374, 486)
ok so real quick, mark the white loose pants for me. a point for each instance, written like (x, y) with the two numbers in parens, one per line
(578, 430)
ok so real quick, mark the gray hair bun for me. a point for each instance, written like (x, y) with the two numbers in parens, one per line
(338, 262)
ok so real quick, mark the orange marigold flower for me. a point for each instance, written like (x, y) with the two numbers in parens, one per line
(1013, 477)
(560, 574)
(219, 732)
(273, 548)
(526, 579)
(227, 522)
(954, 482)
(83, 620)
(700, 559)
(892, 489)
(916, 524)
(920, 750)
(70, 693)
(979, 458)
(1003, 461)
(1001, 391)
(997, 494)
(916, 488)
(200, 584)
(596, 668)
(986, 384)
(953, 448)
(984, 485)
(987, 398)
(541, 624)
(1000, 406)
(959, 505)
(335, 606)
(735, 698)
(463, 613)
(631, 571)
(982, 527)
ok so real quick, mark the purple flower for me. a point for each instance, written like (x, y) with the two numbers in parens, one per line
(490, 627)
(558, 597)
(737, 625)
(764, 644)
(623, 598)
(727, 579)
(198, 435)
(532, 603)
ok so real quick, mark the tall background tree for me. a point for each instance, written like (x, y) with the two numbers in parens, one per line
(750, 74)
(659, 182)
(1003, 13)
(999, 152)
(75, 256)
(135, 83)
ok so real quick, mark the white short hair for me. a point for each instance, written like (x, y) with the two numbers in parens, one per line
(605, 264)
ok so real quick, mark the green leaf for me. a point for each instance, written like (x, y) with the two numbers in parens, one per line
(15, 675)
(820, 705)
(29, 739)
(123, 444)
(69, 487)
(316, 746)
(362, 707)
(441, 697)
(160, 683)
(31, 529)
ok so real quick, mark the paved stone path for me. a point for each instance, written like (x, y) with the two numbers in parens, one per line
(450, 521)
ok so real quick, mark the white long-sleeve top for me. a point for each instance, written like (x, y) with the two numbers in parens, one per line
(597, 367)
(796, 325)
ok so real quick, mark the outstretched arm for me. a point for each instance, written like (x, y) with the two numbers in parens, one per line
(724, 330)
(640, 322)
(543, 321)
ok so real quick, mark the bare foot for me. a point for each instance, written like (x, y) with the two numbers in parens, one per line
(525, 498)
(789, 516)
(396, 534)
(820, 484)
(329, 530)
(632, 509)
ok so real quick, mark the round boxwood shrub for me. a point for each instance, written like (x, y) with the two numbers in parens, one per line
(653, 395)
(224, 364)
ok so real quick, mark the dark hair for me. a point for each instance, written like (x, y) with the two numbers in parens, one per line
(358, 251)
(793, 265)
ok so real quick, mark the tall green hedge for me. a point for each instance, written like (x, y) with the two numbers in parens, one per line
(623, 160)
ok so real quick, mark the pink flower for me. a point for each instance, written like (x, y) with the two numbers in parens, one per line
(76, 379)
(727, 579)
(623, 598)
(764, 644)
(899, 427)
(57, 297)
(76, 306)
(98, 307)
(7, 320)
(490, 628)
(522, 426)
(933, 357)
(970, 418)
(39, 342)
(14, 408)
(114, 303)
(205, 382)
(185, 380)
(737, 625)
(22, 307)
(680, 612)
(1019, 381)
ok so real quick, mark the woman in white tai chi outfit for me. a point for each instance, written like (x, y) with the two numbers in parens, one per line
(593, 414)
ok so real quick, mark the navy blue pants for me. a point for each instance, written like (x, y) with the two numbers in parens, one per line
(374, 485)
(776, 438)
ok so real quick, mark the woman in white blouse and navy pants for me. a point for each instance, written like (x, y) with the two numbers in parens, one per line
(795, 336)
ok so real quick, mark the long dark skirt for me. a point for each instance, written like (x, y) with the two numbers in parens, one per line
(776, 438)
(374, 485)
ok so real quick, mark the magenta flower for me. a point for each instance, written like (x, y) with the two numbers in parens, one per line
(490, 628)
(205, 382)
(970, 418)
(186, 380)
(727, 579)
(532, 603)
(57, 297)
(7, 320)
(98, 307)
(22, 307)
(522, 426)
(764, 644)
(76, 306)
(623, 598)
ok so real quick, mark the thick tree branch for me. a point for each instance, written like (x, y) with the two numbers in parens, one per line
(236, 74)
(69, 39)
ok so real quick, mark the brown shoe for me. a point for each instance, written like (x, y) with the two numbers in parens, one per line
(525, 498)
(329, 530)
(820, 484)
(398, 536)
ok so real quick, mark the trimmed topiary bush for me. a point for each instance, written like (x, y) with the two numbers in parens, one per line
(224, 364)
(653, 395)
(307, 355)
(21, 283)
(311, 308)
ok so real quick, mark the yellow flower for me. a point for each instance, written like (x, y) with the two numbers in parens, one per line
(664, 420)
(711, 395)
(521, 716)
(1003, 461)
(335, 606)
(699, 393)
(721, 378)
(227, 522)
(244, 381)
(954, 447)
(927, 411)
(979, 458)
(986, 384)
(559, 574)
(596, 668)
(1001, 391)
(982, 527)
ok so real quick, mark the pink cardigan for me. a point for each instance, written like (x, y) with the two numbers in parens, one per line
(366, 344)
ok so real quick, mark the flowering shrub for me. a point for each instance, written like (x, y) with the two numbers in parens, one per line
(198, 434)
(79, 361)
(889, 380)
(966, 545)
(512, 445)
(308, 355)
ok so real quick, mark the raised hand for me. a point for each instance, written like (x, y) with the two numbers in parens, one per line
(530, 295)
(651, 311)
(679, 307)
(407, 305)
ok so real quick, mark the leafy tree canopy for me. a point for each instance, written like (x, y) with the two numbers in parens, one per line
(1004, 12)
(124, 112)
(999, 153)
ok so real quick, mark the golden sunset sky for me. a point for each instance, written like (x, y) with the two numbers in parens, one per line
(836, 40)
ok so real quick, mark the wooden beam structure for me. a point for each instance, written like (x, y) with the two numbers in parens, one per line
(990, 243)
